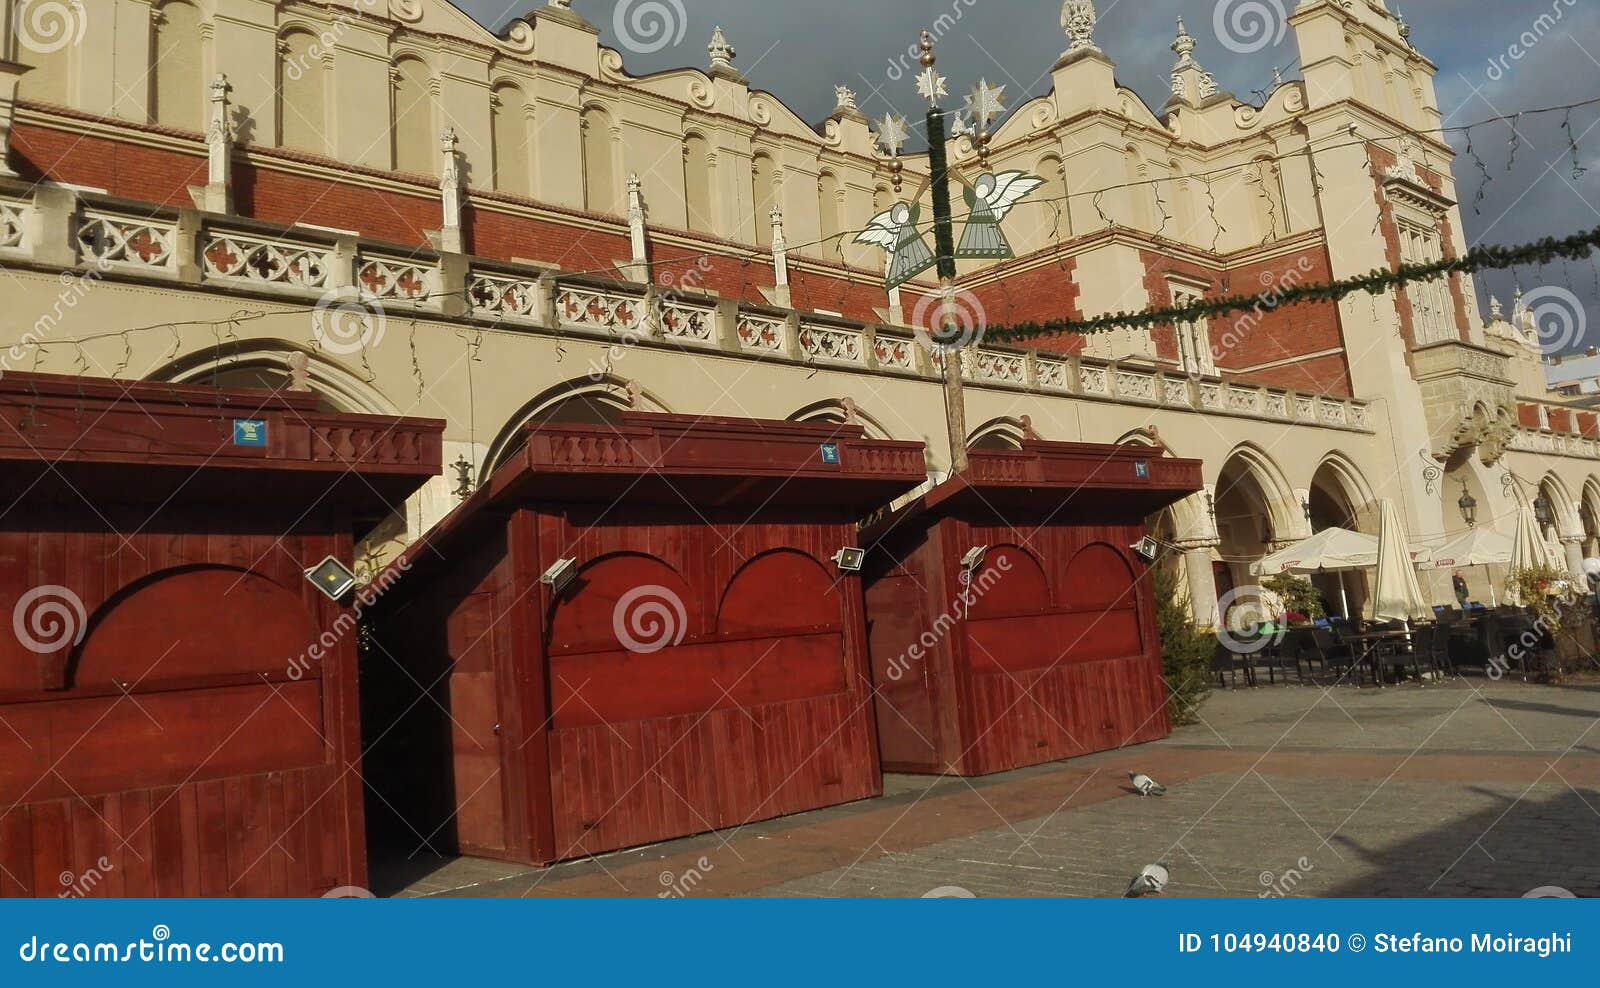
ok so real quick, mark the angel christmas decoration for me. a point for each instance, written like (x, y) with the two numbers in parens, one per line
(989, 199)
(895, 230)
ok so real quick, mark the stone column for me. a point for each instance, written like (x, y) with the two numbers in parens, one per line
(450, 194)
(1197, 561)
(780, 261)
(1573, 544)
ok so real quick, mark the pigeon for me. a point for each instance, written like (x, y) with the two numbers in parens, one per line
(1146, 786)
(1151, 880)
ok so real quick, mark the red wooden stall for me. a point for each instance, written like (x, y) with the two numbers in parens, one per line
(705, 666)
(1011, 622)
(169, 729)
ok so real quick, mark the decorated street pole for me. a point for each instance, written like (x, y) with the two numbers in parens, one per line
(989, 199)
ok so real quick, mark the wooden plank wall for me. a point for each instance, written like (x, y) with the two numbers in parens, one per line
(1049, 665)
(622, 783)
(211, 769)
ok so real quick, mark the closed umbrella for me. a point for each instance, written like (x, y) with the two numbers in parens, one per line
(1528, 549)
(1397, 596)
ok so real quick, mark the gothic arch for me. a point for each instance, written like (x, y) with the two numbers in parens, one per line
(1001, 433)
(580, 400)
(834, 412)
(1343, 484)
(264, 364)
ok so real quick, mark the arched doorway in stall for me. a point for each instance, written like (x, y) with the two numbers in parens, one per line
(1557, 516)
(1339, 497)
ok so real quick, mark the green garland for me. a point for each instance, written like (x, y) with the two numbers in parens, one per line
(1545, 251)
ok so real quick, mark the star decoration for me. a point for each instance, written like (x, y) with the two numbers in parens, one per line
(893, 132)
(931, 85)
(986, 102)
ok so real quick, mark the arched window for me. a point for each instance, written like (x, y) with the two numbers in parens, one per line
(1266, 184)
(302, 106)
(415, 137)
(178, 94)
(599, 178)
(763, 195)
(1141, 195)
(697, 184)
(828, 210)
(512, 157)
(1054, 217)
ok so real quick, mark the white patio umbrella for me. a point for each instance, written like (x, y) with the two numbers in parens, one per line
(1328, 551)
(1397, 595)
(1477, 547)
(1332, 550)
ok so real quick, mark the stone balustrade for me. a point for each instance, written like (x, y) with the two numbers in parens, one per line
(251, 257)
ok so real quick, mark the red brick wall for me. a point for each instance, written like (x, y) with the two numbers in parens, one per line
(1560, 419)
(127, 170)
(1328, 376)
(1588, 424)
(1528, 415)
(1049, 291)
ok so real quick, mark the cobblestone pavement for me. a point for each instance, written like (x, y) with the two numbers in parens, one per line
(1455, 789)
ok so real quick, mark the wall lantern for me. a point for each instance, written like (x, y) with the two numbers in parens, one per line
(1469, 506)
(1543, 512)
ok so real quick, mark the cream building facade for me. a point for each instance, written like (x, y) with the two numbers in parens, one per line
(384, 202)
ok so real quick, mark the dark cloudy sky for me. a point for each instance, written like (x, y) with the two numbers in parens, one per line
(799, 49)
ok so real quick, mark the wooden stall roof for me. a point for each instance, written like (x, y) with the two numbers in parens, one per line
(240, 445)
(1066, 478)
(683, 460)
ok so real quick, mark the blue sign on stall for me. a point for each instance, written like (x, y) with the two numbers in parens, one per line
(249, 432)
(830, 453)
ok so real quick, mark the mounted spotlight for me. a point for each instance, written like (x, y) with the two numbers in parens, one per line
(974, 557)
(1147, 549)
(850, 559)
(332, 577)
(560, 575)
